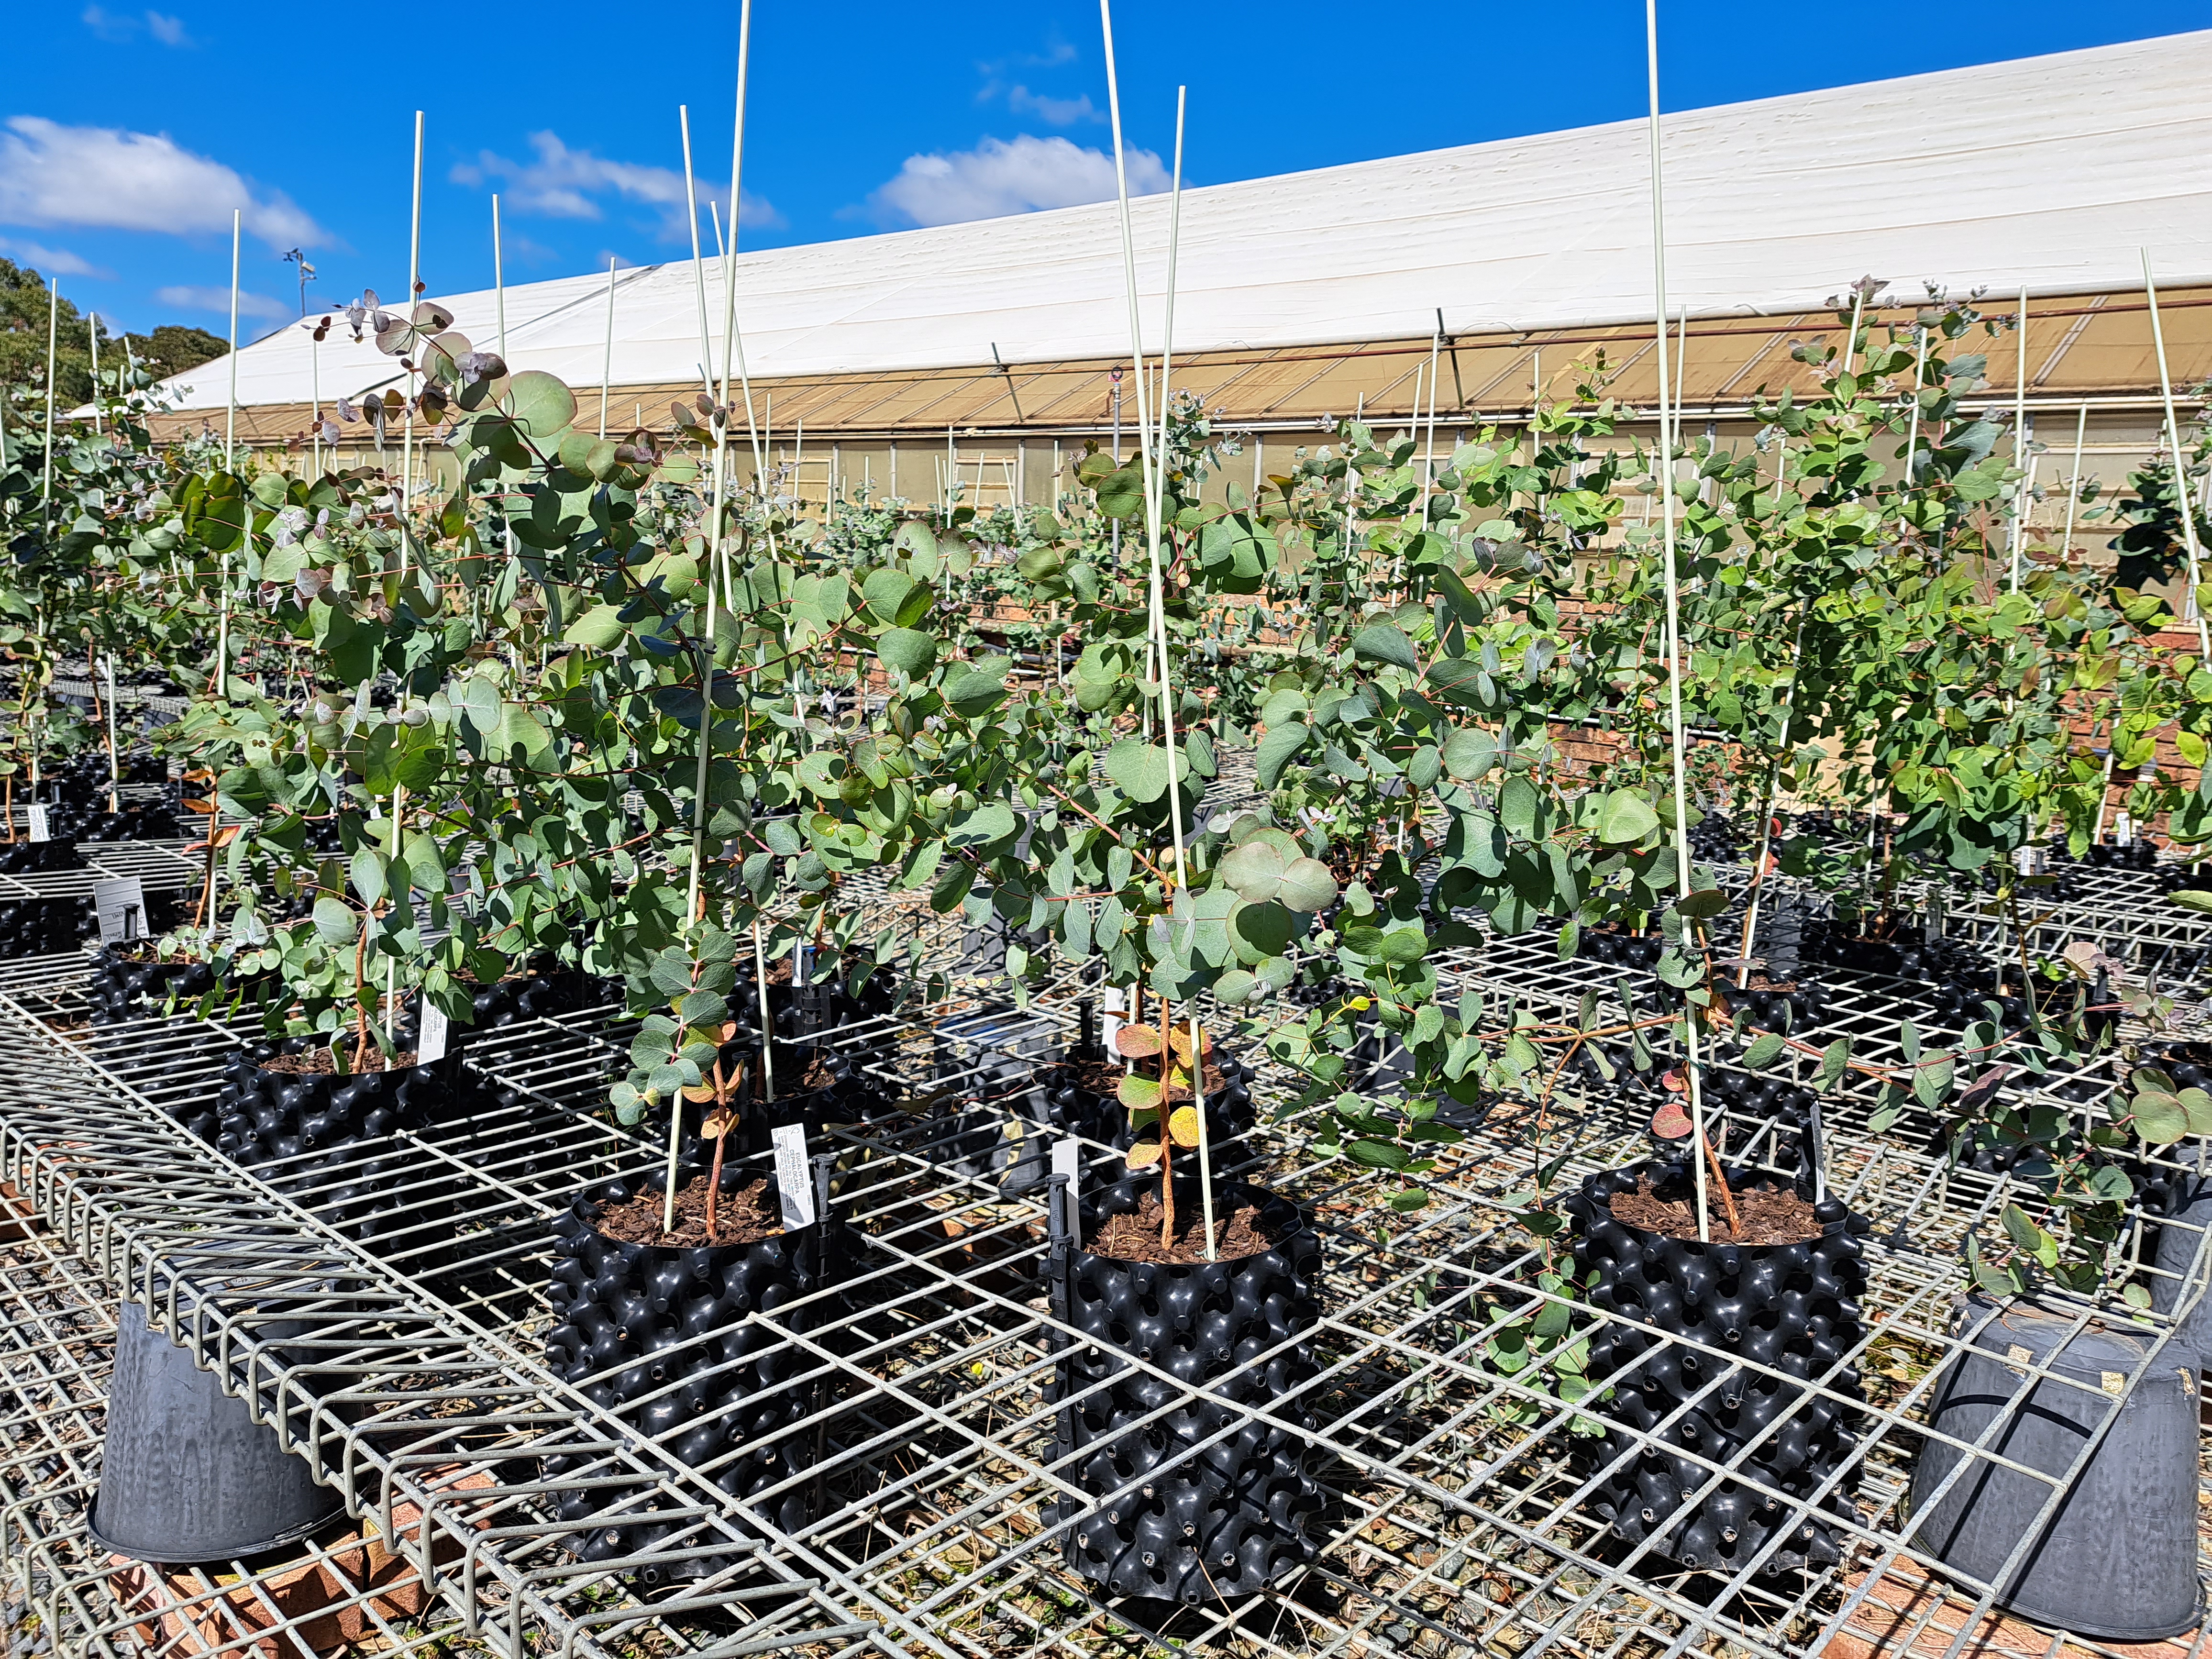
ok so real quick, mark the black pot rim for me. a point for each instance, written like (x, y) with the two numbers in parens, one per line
(1751, 1177)
(229, 1553)
(585, 1209)
(1232, 1191)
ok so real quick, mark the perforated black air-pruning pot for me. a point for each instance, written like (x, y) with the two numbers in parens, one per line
(329, 1136)
(126, 978)
(1768, 1322)
(658, 1336)
(1174, 1522)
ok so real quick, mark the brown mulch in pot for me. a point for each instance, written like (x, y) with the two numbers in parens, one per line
(321, 1062)
(743, 1217)
(1135, 1235)
(1769, 1216)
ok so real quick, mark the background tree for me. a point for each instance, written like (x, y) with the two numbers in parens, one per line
(169, 348)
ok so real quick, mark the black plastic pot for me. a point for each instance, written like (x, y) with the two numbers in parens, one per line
(1073, 1108)
(1194, 1526)
(96, 823)
(1770, 1121)
(23, 858)
(124, 979)
(543, 993)
(1791, 1309)
(989, 1122)
(2188, 1199)
(660, 1336)
(42, 927)
(331, 1134)
(2117, 1559)
(186, 1474)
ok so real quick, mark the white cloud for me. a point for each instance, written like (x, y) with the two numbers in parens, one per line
(185, 297)
(50, 174)
(561, 182)
(51, 261)
(1000, 177)
(1060, 112)
(109, 26)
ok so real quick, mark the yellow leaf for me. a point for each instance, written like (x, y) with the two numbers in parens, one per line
(1182, 1124)
(699, 1091)
(1144, 1152)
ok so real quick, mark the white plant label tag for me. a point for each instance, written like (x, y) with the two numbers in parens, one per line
(1109, 1024)
(1067, 1158)
(430, 1037)
(794, 1181)
(120, 904)
(40, 828)
(2123, 830)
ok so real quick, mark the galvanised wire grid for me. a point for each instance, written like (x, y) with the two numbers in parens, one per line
(1454, 1523)
(56, 1346)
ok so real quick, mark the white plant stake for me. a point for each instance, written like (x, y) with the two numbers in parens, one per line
(2181, 467)
(1154, 461)
(2021, 457)
(607, 359)
(407, 432)
(53, 322)
(1674, 611)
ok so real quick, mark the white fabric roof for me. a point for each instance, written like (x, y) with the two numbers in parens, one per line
(2048, 172)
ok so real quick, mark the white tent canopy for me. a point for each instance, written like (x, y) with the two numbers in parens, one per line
(2047, 173)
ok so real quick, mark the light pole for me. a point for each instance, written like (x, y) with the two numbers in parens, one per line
(306, 276)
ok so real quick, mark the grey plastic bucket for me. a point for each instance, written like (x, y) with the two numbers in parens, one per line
(186, 1474)
(2176, 1251)
(2117, 1560)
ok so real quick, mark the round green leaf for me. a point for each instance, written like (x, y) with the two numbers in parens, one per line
(598, 627)
(1256, 870)
(1308, 885)
(1625, 816)
(1235, 987)
(1380, 642)
(1261, 931)
(2161, 1119)
(989, 825)
(909, 650)
(541, 405)
(1139, 770)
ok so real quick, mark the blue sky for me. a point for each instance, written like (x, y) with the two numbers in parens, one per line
(120, 160)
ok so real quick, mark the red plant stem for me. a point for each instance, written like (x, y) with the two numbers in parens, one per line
(715, 1175)
(1167, 1140)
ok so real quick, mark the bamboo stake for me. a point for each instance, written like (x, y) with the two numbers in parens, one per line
(91, 333)
(1154, 469)
(607, 360)
(315, 393)
(1912, 422)
(2021, 458)
(53, 340)
(2073, 481)
(1673, 615)
(230, 411)
(1428, 473)
(114, 767)
(414, 281)
(2180, 466)
(698, 263)
(229, 462)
